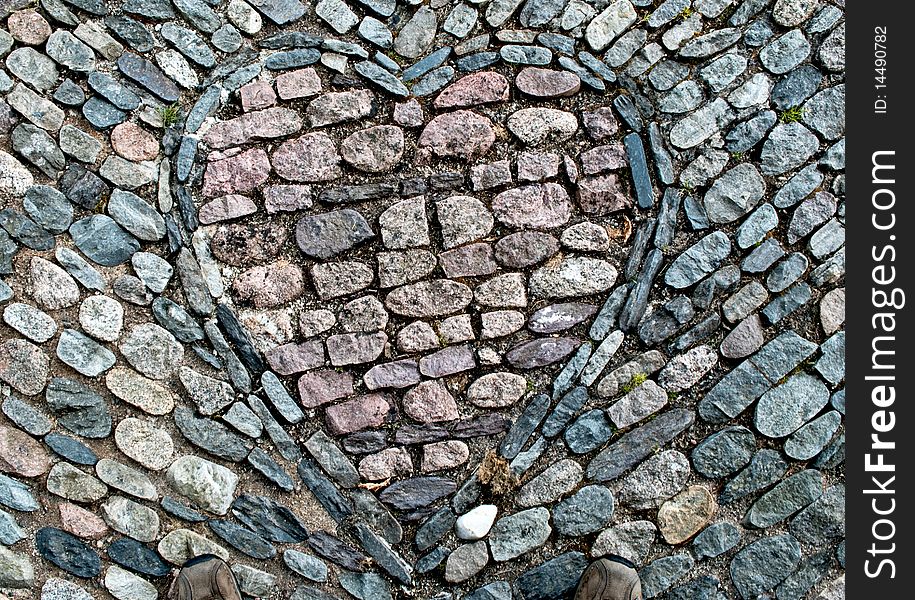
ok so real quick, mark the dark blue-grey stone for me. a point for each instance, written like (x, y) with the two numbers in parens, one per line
(158, 10)
(365, 586)
(589, 431)
(240, 76)
(417, 492)
(787, 272)
(588, 510)
(432, 560)
(187, 152)
(67, 552)
(667, 218)
(334, 502)
(131, 32)
(717, 284)
(598, 67)
(434, 529)
(627, 110)
(695, 213)
(25, 231)
(290, 39)
(733, 393)
(525, 425)
(609, 311)
(279, 11)
(662, 573)
(638, 166)
(760, 222)
(766, 468)
(83, 188)
(838, 401)
(724, 452)
(292, 59)
(426, 64)
(798, 85)
(382, 78)
(497, 590)
(382, 553)
(663, 161)
(765, 563)
(242, 539)
(700, 332)
(96, 7)
(239, 337)
(10, 532)
(133, 555)
(16, 495)
(284, 443)
(747, 134)
(26, 417)
(189, 44)
(640, 242)
(113, 91)
(832, 455)
(706, 587)
(387, 62)
(636, 445)
(71, 449)
(763, 256)
(475, 62)
(149, 76)
(211, 436)
(586, 76)
(781, 355)
(807, 575)
(783, 409)
(8, 249)
(180, 511)
(176, 320)
(69, 93)
(336, 551)
(565, 409)
(526, 55)
(433, 81)
(555, 579)
(203, 108)
(48, 207)
(698, 260)
(269, 468)
(711, 43)
(199, 14)
(103, 241)
(39, 148)
(788, 302)
(832, 361)
(823, 520)
(666, 320)
(78, 408)
(269, 519)
(716, 539)
(757, 34)
(557, 42)
(801, 185)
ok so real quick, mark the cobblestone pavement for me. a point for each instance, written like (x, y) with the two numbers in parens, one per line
(422, 299)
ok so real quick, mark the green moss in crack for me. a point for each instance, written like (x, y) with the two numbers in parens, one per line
(637, 380)
(169, 114)
(791, 115)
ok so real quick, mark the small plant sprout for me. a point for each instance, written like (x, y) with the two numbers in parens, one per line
(169, 114)
(791, 115)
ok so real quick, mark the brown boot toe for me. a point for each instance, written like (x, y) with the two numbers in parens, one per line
(609, 579)
(205, 577)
